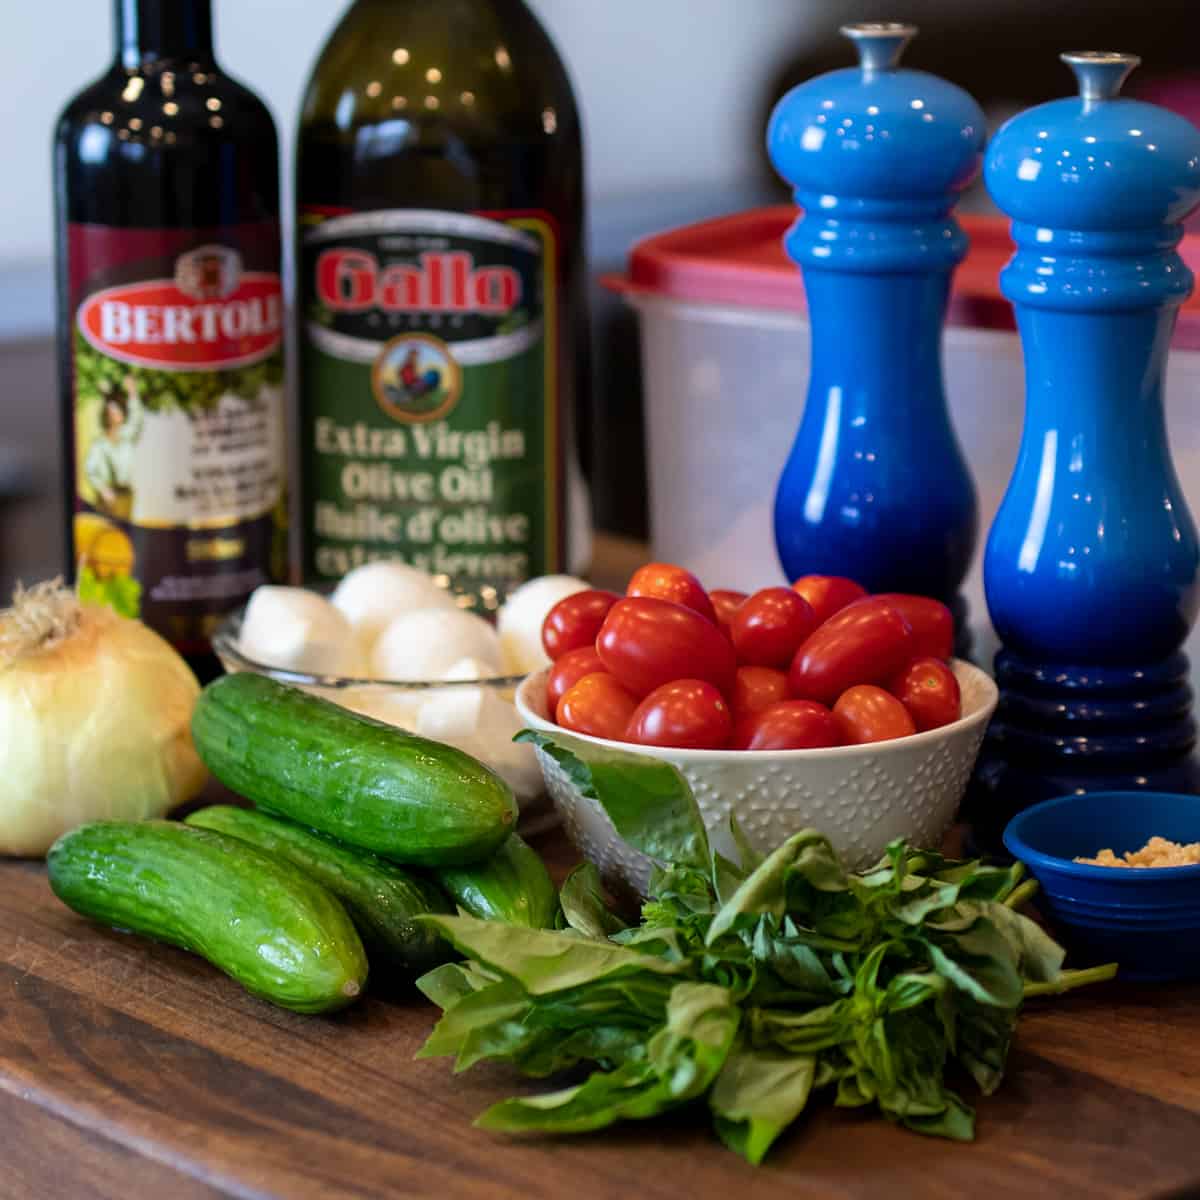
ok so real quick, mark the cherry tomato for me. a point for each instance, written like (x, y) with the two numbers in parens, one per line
(932, 623)
(597, 705)
(665, 581)
(869, 714)
(686, 713)
(646, 642)
(755, 688)
(725, 604)
(866, 642)
(788, 725)
(568, 671)
(575, 620)
(928, 689)
(769, 627)
(827, 594)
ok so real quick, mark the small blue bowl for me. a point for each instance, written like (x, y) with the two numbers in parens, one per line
(1145, 918)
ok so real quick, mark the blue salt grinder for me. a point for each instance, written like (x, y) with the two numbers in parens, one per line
(1092, 563)
(876, 487)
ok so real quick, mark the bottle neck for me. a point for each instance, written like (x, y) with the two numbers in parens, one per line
(148, 30)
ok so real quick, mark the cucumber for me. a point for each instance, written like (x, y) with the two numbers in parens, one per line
(381, 898)
(281, 935)
(513, 885)
(358, 780)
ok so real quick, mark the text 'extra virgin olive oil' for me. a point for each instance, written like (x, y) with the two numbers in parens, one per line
(170, 328)
(441, 302)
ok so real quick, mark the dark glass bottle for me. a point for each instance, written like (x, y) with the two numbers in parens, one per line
(166, 182)
(440, 292)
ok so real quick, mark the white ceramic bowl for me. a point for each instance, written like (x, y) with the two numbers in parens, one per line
(861, 797)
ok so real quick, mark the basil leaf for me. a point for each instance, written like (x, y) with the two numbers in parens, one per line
(631, 1091)
(542, 960)
(446, 985)
(682, 1060)
(583, 905)
(980, 963)
(916, 908)
(955, 1121)
(726, 877)
(647, 800)
(689, 1051)
(491, 1005)
(1039, 957)
(983, 1035)
(796, 964)
(751, 859)
(757, 1095)
(806, 855)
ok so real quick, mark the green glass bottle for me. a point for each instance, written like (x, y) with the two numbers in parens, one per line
(441, 292)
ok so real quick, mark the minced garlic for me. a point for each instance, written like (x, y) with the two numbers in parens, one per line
(1157, 852)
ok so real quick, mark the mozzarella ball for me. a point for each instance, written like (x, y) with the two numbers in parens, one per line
(521, 618)
(392, 708)
(297, 630)
(480, 723)
(428, 643)
(372, 595)
(467, 669)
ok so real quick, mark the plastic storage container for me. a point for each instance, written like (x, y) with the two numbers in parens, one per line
(725, 370)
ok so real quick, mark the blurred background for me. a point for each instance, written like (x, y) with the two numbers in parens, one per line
(675, 96)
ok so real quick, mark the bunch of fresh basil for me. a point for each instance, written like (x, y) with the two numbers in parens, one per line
(747, 985)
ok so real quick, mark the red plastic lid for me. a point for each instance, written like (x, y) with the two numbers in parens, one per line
(739, 261)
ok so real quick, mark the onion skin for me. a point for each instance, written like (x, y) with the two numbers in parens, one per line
(94, 724)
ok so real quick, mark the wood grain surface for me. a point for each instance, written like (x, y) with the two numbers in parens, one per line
(133, 1070)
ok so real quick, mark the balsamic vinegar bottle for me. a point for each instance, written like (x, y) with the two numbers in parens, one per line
(441, 302)
(170, 325)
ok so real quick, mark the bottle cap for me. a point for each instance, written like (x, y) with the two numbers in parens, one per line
(877, 139)
(1096, 162)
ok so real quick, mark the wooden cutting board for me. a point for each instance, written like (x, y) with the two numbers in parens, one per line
(132, 1070)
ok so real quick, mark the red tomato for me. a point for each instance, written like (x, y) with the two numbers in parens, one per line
(869, 714)
(755, 688)
(932, 623)
(725, 604)
(568, 671)
(827, 594)
(575, 620)
(646, 643)
(687, 713)
(788, 725)
(928, 689)
(769, 627)
(664, 581)
(866, 642)
(598, 705)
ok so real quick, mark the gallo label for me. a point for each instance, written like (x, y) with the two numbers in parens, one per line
(212, 315)
(430, 401)
(354, 281)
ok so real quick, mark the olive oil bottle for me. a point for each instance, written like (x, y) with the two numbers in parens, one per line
(441, 302)
(170, 330)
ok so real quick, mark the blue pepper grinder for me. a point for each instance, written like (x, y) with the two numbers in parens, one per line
(876, 487)
(1091, 565)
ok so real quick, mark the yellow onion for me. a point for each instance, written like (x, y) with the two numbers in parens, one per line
(95, 713)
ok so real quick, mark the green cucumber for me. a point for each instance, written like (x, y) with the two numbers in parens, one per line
(381, 898)
(281, 935)
(358, 780)
(513, 885)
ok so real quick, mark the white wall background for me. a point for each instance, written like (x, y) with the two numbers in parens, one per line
(642, 134)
